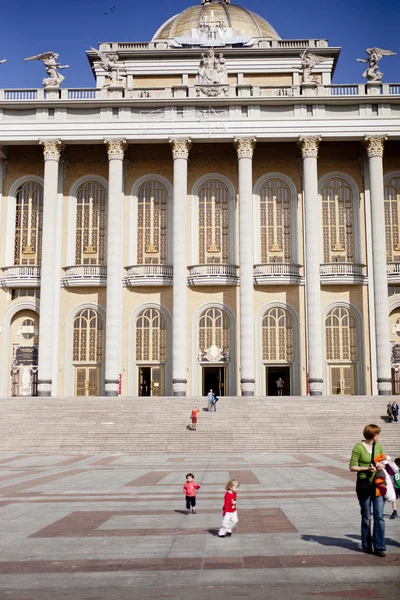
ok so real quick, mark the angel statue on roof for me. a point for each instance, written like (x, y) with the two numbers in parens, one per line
(372, 73)
(109, 62)
(308, 62)
(52, 66)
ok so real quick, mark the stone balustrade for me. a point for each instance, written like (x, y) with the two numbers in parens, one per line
(85, 275)
(20, 276)
(139, 275)
(214, 274)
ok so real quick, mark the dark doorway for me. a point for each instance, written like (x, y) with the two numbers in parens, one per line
(144, 381)
(214, 378)
(272, 375)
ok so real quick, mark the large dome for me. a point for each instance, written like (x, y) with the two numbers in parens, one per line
(243, 21)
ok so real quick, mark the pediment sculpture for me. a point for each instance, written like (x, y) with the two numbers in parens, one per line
(212, 76)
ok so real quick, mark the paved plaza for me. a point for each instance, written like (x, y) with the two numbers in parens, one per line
(96, 527)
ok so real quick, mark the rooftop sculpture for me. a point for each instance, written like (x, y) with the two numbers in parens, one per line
(109, 62)
(212, 76)
(3, 61)
(49, 59)
(308, 62)
(372, 73)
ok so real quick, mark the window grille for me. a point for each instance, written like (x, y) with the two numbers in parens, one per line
(337, 222)
(24, 292)
(213, 223)
(28, 224)
(152, 228)
(275, 222)
(277, 336)
(392, 216)
(90, 224)
(88, 343)
(214, 329)
(151, 336)
(341, 335)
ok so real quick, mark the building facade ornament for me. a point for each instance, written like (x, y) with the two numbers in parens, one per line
(180, 147)
(374, 145)
(109, 63)
(245, 147)
(116, 148)
(52, 149)
(52, 66)
(372, 73)
(309, 146)
(212, 76)
(308, 62)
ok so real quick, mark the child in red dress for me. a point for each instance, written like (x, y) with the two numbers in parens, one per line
(230, 518)
(194, 417)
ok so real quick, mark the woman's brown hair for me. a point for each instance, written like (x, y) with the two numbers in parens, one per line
(370, 431)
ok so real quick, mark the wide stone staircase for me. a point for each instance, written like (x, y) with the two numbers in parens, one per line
(125, 425)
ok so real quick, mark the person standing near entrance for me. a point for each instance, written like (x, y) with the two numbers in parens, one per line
(144, 389)
(209, 398)
(280, 384)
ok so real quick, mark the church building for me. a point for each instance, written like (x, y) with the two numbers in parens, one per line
(210, 212)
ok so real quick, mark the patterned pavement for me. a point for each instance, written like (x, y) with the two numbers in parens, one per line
(96, 527)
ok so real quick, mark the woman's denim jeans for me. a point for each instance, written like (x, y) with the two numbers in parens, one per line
(377, 541)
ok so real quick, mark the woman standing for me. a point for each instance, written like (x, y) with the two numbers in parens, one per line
(362, 462)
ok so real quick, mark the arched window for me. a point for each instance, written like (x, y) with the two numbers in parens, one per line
(28, 224)
(277, 335)
(341, 335)
(213, 223)
(337, 221)
(88, 337)
(90, 224)
(392, 217)
(151, 336)
(214, 330)
(275, 222)
(152, 224)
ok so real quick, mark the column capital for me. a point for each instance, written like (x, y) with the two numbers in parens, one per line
(245, 147)
(309, 146)
(116, 148)
(52, 149)
(180, 147)
(374, 144)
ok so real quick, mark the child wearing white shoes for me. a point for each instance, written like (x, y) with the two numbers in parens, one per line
(229, 511)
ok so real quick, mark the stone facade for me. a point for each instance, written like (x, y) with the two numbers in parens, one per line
(217, 243)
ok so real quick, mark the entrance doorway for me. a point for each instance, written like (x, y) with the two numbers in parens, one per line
(342, 380)
(151, 381)
(214, 378)
(272, 375)
(87, 381)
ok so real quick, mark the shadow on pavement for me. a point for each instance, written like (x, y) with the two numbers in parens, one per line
(331, 541)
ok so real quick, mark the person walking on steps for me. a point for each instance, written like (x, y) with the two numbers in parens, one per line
(395, 411)
(190, 488)
(209, 398)
(362, 463)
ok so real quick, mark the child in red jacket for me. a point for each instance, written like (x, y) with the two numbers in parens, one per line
(189, 489)
(230, 518)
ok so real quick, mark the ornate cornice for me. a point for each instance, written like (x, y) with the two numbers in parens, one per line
(245, 147)
(52, 149)
(180, 147)
(116, 148)
(309, 146)
(374, 145)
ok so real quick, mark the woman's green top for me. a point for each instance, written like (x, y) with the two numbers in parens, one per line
(360, 457)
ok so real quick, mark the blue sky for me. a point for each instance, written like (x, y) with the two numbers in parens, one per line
(72, 26)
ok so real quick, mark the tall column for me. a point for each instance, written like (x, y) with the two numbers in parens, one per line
(312, 258)
(374, 150)
(180, 152)
(116, 150)
(245, 149)
(52, 152)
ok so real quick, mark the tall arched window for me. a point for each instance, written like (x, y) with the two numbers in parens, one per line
(341, 335)
(152, 224)
(88, 344)
(392, 218)
(337, 221)
(90, 224)
(275, 222)
(214, 330)
(277, 335)
(213, 223)
(151, 336)
(28, 224)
